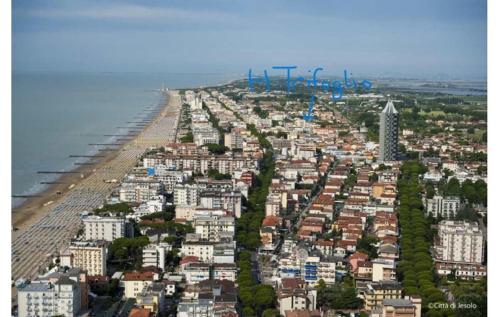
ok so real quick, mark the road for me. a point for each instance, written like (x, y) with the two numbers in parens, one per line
(305, 210)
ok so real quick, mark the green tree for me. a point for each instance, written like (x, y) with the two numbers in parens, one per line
(321, 293)
(270, 312)
(264, 296)
(217, 149)
(248, 311)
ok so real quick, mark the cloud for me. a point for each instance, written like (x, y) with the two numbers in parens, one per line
(127, 12)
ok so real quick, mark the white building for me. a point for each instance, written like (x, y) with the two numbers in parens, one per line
(446, 207)
(148, 207)
(87, 255)
(222, 199)
(204, 250)
(314, 269)
(106, 228)
(293, 294)
(383, 270)
(135, 282)
(169, 288)
(459, 242)
(169, 178)
(212, 228)
(224, 252)
(155, 254)
(209, 251)
(224, 271)
(185, 212)
(233, 140)
(46, 299)
(139, 189)
(196, 272)
(186, 195)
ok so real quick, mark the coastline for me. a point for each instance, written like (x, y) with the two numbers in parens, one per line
(32, 209)
(35, 208)
(45, 230)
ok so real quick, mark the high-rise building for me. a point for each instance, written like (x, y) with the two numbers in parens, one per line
(388, 137)
(88, 255)
(459, 242)
(106, 228)
(155, 255)
(45, 298)
(447, 207)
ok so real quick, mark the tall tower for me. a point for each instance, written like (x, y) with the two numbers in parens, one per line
(388, 137)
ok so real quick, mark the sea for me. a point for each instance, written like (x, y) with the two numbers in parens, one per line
(57, 114)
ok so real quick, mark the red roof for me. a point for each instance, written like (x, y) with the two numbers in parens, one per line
(189, 259)
(271, 221)
(140, 312)
(324, 200)
(324, 243)
(139, 276)
(291, 282)
(358, 256)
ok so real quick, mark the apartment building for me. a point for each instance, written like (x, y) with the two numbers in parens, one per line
(221, 251)
(155, 254)
(209, 298)
(195, 272)
(293, 294)
(212, 228)
(229, 200)
(446, 207)
(375, 293)
(459, 242)
(315, 268)
(383, 270)
(234, 139)
(152, 297)
(106, 228)
(186, 195)
(224, 271)
(135, 282)
(405, 307)
(225, 164)
(47, 299)
(168, 177)
(87, 255)
(138, 190)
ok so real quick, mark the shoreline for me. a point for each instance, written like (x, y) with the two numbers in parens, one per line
(46, 230)
(35, 208)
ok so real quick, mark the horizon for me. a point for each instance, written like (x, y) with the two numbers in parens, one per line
(244, 76)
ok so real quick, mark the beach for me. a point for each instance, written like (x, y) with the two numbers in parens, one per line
(45, 224)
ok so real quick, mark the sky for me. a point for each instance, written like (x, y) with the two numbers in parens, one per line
(432, 39)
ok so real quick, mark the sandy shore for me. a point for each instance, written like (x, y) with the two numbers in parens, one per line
(45, 230)
(34, 208)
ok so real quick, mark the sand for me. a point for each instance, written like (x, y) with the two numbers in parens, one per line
(35, 208)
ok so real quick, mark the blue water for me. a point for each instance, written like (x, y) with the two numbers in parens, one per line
(55, 115)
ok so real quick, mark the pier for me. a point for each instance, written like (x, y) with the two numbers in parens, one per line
(89, 156)
(56, 172)
(103, 150)
(106, 144)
